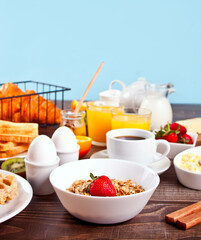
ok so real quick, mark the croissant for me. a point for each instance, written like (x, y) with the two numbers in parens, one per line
(32, 108)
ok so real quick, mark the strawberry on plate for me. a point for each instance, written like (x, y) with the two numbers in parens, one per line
(101, 186)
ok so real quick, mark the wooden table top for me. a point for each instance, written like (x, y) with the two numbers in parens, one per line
(45, 217)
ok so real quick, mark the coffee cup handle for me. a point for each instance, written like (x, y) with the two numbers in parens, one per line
(165, 153)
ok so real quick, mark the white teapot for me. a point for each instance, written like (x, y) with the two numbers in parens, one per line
(128, 98)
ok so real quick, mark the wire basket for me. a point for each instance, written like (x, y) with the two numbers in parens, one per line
(32, 101)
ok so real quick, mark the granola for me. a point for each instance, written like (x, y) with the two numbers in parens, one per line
(122, 188)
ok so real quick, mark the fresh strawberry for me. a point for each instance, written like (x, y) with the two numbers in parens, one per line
(174, 133)
(101, 186)
(175, 126)
(171, 137)
(185, 138)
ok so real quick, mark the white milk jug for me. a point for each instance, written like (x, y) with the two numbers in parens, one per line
(156, 100)
(128, 94)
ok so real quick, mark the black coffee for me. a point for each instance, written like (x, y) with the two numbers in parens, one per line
(130, 138)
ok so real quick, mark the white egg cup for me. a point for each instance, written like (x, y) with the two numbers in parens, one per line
(68, 156)
(37, 175)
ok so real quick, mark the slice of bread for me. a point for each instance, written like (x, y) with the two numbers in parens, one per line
(18, 132)
(5, 146)
(14, 151)
(17, 138)
(7, 127)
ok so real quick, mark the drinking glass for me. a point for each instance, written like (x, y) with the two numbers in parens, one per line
(139, 118)
(99, 118)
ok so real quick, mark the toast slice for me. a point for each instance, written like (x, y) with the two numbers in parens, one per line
(17, 138)
(7, 127)
(14, 151)
(18, 132)
(8, 187)
(5, 146)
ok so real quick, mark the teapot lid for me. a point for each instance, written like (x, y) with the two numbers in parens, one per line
(112, 95)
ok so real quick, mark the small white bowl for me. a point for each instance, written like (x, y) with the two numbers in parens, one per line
(176, 148)
(68, 156)
(185, 177)
(103, 210)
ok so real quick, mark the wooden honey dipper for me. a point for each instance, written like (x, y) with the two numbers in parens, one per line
(87, 89)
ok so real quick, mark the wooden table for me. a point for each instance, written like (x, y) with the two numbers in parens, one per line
(45, 218)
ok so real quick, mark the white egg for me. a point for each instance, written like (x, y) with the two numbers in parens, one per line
(64, 139)
(42, 150)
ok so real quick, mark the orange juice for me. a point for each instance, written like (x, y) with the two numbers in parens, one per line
(99, 122)
(140, 120)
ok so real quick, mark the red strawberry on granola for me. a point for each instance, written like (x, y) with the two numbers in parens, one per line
(101, 186)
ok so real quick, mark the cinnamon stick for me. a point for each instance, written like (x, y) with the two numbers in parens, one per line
(186, 217)
(189, 221)
(175, 216)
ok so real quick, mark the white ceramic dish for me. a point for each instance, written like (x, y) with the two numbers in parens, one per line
(159, 167)
(103, 210)
(185, 177)
(24, 154)
(15, 206)
(176, 148)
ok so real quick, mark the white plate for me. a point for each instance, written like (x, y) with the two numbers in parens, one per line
(159, 167)
(19, 202)
(18, 155)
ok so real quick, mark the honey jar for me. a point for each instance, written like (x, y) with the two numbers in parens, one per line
(76, 122)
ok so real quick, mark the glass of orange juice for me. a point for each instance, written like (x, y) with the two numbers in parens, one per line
(99, 118)
(131, 118)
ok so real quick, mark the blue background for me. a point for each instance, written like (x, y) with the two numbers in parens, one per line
(63, 42)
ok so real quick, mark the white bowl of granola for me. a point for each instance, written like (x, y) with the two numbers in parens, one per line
(99, 209)
(187, 166)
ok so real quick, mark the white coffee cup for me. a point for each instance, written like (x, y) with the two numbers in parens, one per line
(143, 150)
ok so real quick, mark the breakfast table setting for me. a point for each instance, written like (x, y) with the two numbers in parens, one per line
(144, 184)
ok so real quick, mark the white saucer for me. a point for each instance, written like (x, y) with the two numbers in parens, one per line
(159, 167)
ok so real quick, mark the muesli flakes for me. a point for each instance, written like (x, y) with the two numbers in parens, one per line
(122, 188)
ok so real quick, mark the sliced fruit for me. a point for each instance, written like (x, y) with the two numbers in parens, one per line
(15, 165)
(85, 145)
(74, 104)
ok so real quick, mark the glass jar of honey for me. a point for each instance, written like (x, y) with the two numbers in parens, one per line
(76, 122)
